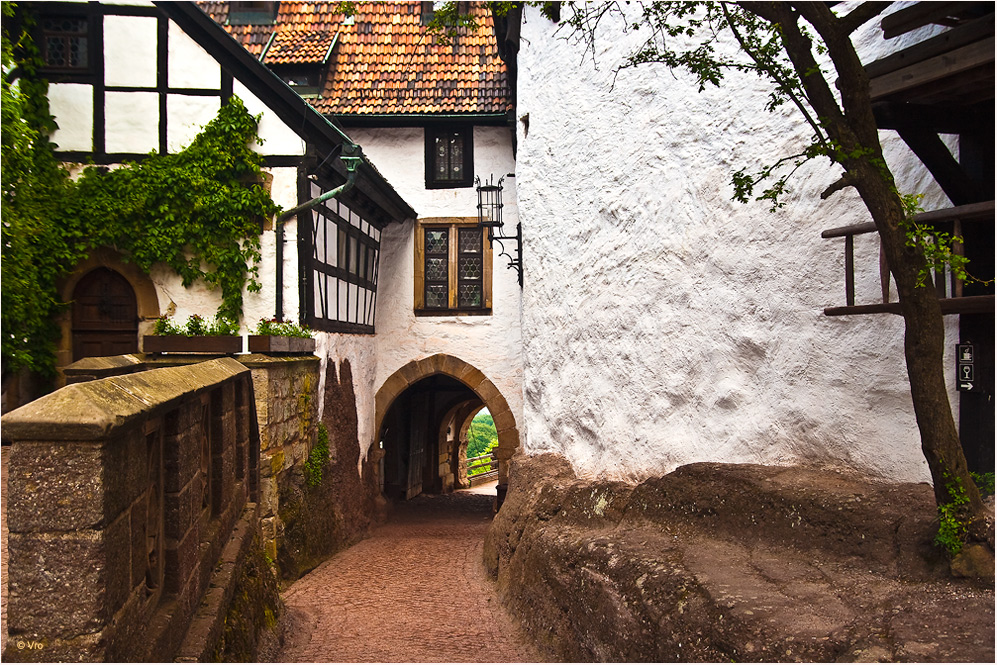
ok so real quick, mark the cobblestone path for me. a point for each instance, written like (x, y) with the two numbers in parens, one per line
(415, 591)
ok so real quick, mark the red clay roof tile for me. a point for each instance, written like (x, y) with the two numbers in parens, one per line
(385, 46)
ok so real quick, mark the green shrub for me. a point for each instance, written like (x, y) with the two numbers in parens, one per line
(984, 482)
(317, 458)
(278, 328)
(196, 327)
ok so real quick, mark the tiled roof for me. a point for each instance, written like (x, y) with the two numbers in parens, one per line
(384, 62)
(290, 47)
(253, 37)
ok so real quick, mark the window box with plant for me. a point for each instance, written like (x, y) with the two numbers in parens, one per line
(195, 336)
(276, 336)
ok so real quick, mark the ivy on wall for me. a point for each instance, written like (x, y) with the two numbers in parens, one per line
(198, 211)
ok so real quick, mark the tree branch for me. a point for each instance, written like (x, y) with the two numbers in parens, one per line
(858, 16)
(845, 180)
(853, 82)
(786, 87)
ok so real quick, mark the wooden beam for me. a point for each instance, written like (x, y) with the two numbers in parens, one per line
(967, 213)
(947, 171)
(942, 119)
(967, 305)
(921, 14)
(977, 54)
(949, 40)
(972, 212)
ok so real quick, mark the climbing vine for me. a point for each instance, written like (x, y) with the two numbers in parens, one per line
(198, 211)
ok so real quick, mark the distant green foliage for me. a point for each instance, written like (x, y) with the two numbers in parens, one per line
(317, 458)
(198, 211)
(481, 438)
(278, 328)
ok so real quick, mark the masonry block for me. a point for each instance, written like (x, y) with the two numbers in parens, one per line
(59, 591)
(181, 509)
(181, 559)
(471, 377)
(58, 487)
(504, 421)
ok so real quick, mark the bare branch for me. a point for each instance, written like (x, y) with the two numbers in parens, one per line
(844, 181)
(864, 12)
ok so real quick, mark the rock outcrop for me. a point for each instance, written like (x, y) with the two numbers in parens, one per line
(719, 562)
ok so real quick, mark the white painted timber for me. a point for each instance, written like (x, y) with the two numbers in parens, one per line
(190, 66)
(71, 104)
(186, 116)
(278, 138)
(130, 51)
(663, 323)
(132, 122)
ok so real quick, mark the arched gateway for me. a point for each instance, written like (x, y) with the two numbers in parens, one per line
(421, 412)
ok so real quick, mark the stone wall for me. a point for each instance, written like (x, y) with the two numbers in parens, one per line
(286, 389)
(331, 513)
(132, 501)
(724, 563)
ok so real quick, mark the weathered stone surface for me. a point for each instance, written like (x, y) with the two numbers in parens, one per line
(58, 592)
(59, 486)
(974, 561)
(732, 562)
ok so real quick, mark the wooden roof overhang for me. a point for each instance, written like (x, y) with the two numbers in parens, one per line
(942, 85)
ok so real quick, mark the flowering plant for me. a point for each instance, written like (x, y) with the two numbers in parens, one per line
(196, 326)
(278, 328)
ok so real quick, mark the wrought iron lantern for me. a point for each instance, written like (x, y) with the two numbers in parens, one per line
(490, 217)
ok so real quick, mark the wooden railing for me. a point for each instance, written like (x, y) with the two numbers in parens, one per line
(486, 462)
(949, 290)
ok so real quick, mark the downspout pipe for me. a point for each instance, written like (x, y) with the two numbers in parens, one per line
(352, 156)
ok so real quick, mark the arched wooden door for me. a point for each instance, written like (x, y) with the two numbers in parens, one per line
(105, 315)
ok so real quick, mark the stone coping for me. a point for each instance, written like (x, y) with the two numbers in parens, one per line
(90, 411)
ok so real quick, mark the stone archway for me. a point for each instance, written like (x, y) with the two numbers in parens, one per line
(475, 380)
(146, 299)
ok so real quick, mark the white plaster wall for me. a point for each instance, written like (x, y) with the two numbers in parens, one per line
(190, 66)
(130, 51)
(131, 122)
(663, 323)
(71, 104)
(277, 137)
(490, 343)
(186, 116)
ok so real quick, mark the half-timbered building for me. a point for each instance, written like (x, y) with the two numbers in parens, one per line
(436, 117)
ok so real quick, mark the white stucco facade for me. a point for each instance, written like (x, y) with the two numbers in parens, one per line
(491, 343)
(663, 323)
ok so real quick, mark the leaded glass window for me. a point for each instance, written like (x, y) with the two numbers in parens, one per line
(437, 278)
(470, 267)
(449, 157)
(65, 42)
(455, 273)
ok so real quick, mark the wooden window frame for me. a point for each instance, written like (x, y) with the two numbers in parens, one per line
(68, 73)
(453, 224)
(467, 134)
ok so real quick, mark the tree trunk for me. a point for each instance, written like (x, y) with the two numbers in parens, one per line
(924, 343)
(855, 137)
